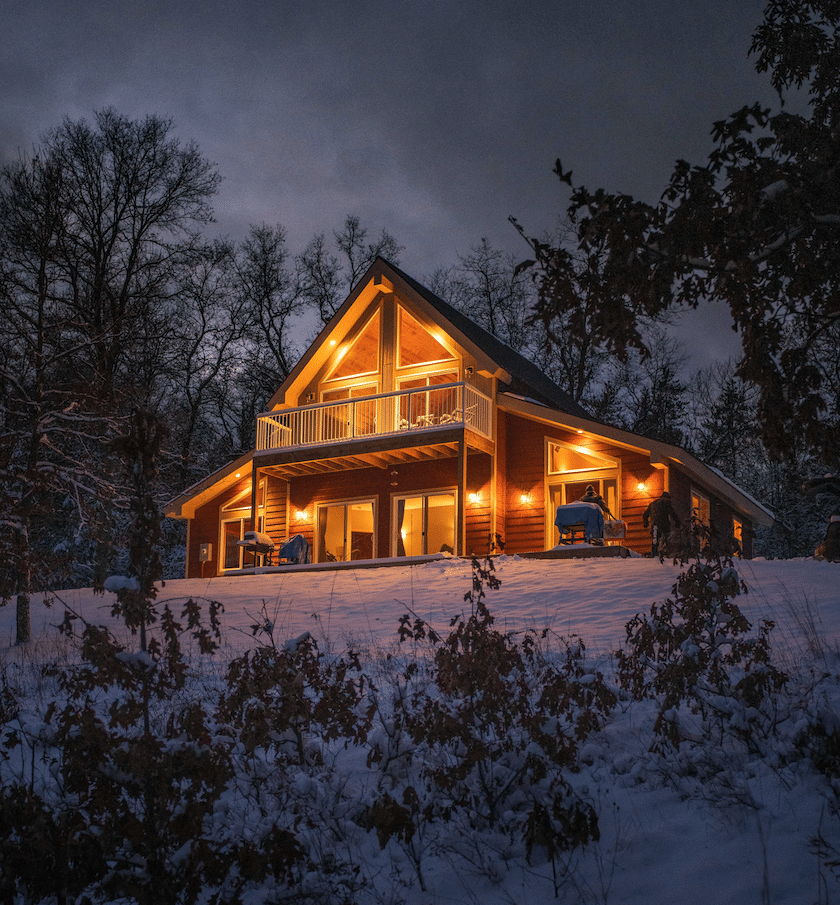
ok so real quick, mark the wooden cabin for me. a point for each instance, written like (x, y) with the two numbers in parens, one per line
(406, 430)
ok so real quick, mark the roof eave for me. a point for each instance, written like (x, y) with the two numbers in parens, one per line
(185, 504)
(661, 454)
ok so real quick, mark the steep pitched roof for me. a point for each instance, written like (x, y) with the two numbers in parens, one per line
(526, 378)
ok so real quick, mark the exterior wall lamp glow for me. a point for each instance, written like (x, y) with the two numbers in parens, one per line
(474, 498)
(641, 487)
(525, 499)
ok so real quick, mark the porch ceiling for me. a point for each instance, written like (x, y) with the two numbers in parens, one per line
(385, 459)
(382, 453)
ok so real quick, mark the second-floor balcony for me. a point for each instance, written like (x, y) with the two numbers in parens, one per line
(411, 411)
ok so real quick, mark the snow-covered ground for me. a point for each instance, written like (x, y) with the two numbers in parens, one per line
(672, 830)
(593, 598)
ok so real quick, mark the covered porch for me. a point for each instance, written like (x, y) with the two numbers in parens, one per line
(418, 491)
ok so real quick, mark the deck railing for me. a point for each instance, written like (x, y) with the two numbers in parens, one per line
(406, 411)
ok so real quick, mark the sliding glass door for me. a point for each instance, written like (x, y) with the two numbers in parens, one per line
(346, 531)
(424, 523)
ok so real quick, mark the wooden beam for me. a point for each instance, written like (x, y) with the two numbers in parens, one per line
(460, 516)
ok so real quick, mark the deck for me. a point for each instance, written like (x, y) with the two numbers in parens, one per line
(573, 551)
(384, 415)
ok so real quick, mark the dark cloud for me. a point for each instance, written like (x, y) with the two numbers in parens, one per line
(434, 120)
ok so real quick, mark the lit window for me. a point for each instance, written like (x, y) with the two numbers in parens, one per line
(738, 534)
(700, 508)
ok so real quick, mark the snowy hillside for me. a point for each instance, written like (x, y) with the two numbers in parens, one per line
(726, 796)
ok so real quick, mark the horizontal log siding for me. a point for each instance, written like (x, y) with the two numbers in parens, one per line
(478, 514)
(525, 525)
(205, 530)
(276, 510)
(500, 489)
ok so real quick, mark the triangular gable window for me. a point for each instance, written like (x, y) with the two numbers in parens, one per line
(362, 357)
(417, 345)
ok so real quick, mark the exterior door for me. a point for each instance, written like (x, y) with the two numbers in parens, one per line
(235, 518)
(346, 531)
(424, 524)
(570, 491)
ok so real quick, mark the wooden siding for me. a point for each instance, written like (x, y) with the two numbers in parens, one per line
(276, 509)
(205, 530)
(381, 484)
(525, 524)
(478, 514)
(720, 515)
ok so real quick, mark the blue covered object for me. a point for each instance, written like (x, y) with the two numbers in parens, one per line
(587, 514)
(296, 549)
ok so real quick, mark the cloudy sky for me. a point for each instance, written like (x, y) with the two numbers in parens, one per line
(435, 120)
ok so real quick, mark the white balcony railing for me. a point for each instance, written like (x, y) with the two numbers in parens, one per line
(406, 411)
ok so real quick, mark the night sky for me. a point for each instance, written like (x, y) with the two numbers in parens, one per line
(433, 120)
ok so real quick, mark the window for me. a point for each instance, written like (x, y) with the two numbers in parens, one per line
(738, 535)
(356, 419)
(432, 407)
(362, 354)
(346, 531)
(424, 523)
(235, 520)
(418, 345)
(700, 508)
(569, 471)
(564, 458)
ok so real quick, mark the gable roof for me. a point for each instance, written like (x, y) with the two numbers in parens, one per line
(525, 389)
(526, 378)
(514, 370)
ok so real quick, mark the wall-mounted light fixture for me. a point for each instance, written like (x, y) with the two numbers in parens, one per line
(525, 499)
(300, 515)
(474, 498)
(641, 487)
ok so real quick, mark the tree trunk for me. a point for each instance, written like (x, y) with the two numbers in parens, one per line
(23, 624)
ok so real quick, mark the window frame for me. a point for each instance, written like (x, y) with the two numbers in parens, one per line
(242, 514)
(346, 503)
(597, 475)
(424, 494)
(701, 498)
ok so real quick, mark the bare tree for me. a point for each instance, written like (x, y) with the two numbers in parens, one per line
(326, 277)
(92, 230)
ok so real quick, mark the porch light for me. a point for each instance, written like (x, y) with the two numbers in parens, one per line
(474, 497)
(238, 474)
(301, 515)
(641, 487)
(525, 499)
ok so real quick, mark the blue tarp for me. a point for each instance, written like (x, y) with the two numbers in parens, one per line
(589, 514)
